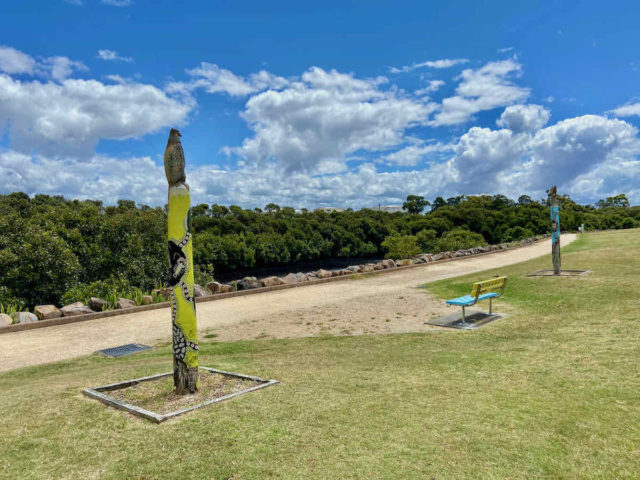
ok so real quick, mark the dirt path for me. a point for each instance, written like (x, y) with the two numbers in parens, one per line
(377, 304)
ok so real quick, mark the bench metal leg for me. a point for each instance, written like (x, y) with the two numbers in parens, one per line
(490, 305)
(464, 317)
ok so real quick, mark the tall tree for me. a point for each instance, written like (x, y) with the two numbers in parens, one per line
(183, 311)
(415, 204)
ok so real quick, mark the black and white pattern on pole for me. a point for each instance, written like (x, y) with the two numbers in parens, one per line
(180, 343)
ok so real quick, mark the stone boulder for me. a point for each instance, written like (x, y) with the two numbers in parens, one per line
(404, 262)
(199, 291)
(45, 312)
(367, 268)
(24, 317)
(77, 308)
(355, 268)
(214, 287)
(295, 278)
(419, 259)
(311, 275)
(388, 263)
(97, 304)
(125, 303)
(224, 288)
(322, 273)
(5, 320)
(438, 256)
(147, 300)
(274, 281)
(247, 283)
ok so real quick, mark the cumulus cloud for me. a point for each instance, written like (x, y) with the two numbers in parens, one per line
(486, 88)
(433, 86)
(213, 79)
(628, 110)
(111, 55)
(315, 123)
(442, 63)
(575, 146)
(70, 117)
(579, 154)
(106, 178)
(524, 118)
(416, 153)
(13, 61)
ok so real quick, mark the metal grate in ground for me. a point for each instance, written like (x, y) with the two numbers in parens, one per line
(123, 350)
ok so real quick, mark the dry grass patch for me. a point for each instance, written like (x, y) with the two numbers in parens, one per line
(159, 395)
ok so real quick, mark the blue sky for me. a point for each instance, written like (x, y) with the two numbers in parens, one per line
(326, 104)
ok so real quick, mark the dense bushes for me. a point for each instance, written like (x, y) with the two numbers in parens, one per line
(49, 245)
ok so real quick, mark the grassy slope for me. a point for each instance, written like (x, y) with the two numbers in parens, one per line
(551, 391)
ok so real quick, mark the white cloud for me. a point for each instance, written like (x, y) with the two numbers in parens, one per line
(70, 117)
(99, 177)
(433, 86)
(315, 123)
(13, 61)
(416, 153)
(213, 79)
(60, 68)
(524, 118)
(111, 55)
(117, 3)
(484, 89)
(575, 146)
(483, 155)
(442, 63)
(628, 110)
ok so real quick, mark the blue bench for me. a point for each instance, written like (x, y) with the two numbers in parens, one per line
(485, 290)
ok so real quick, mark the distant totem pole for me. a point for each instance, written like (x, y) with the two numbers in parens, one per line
(555, 230)
(183, 311)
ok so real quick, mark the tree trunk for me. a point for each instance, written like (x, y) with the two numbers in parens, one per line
(183, 313)
(555, 232)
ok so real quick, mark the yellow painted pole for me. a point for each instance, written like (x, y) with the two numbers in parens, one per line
(183, 311)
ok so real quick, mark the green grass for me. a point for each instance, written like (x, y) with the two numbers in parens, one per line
(552, 391)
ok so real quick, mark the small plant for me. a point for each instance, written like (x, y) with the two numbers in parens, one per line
(9, 308)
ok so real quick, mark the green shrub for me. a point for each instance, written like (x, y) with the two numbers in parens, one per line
(426, 240)
(109, 290)
(459, 239)
(401, 246)
(516, 233)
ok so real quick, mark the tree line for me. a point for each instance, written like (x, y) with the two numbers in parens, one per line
(50, 245)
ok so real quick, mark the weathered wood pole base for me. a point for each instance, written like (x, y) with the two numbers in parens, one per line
(185, 379)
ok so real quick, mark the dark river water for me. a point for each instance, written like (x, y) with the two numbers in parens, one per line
(304, 267)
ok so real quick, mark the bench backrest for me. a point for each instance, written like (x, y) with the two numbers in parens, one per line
(496, 285)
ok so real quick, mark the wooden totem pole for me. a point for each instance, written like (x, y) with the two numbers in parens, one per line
(183, 311)
(555, 230)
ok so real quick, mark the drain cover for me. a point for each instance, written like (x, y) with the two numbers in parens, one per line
(123, 350)
(475, 319)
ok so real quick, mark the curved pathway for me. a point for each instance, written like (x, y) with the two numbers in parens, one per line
(377, 304)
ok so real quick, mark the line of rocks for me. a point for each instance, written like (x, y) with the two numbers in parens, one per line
(46, 312)
(248, 283)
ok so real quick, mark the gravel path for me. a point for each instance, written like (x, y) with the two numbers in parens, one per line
(388, 303)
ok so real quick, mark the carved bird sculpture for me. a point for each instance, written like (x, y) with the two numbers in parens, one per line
(174, 159)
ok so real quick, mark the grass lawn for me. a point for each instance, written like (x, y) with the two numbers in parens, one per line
(552, 391)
